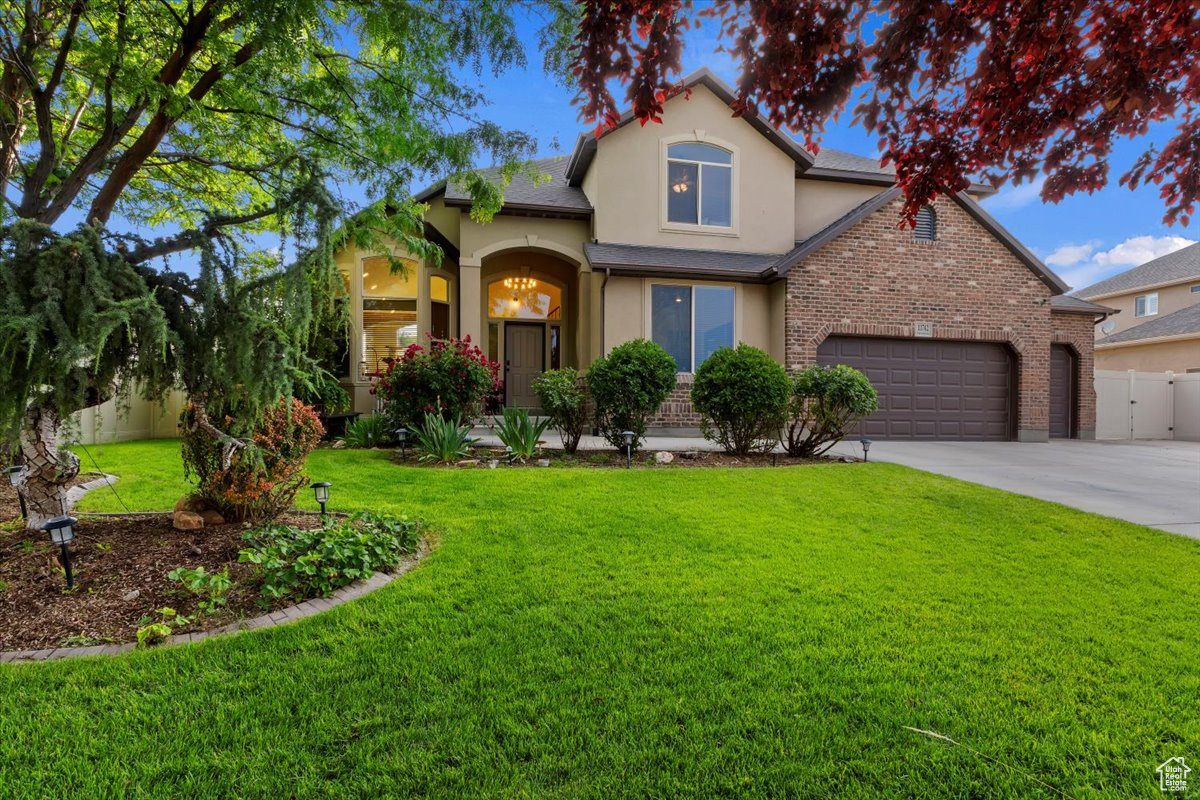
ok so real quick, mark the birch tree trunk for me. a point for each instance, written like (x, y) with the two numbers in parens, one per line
(48, 470)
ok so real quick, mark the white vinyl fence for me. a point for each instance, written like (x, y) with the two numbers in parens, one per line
(1147, 405)
(134, 418)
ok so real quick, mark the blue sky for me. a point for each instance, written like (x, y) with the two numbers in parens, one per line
(1084, 238)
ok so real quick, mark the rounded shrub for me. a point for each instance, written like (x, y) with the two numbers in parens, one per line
(628, 385)
(450, 377)
(825, 403)
(741, 395)
(564, 401)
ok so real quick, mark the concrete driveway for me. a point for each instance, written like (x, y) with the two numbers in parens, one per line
(1155, 483)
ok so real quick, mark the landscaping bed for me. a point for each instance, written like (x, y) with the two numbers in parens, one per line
(121, 567)
(481, 457)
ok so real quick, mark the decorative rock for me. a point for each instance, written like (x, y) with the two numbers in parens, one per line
(663, 457)
(129, 597)
(338, 444)
(469, 462)
(188, 521)
(183, 504)
(691, 455)
(211, 517)
(543, 462)
(492, 463)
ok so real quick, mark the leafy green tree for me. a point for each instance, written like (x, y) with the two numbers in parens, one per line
(225, 127)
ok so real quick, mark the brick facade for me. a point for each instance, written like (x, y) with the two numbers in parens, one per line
(676, 411)
(877, 280)
(1078, 332)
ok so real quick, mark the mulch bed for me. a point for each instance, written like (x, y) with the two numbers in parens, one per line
(645, 458)
(121, 566)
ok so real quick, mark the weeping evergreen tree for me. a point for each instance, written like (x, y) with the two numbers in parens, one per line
(222, 126)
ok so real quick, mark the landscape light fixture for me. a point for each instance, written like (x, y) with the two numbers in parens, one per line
(12, 473)
(866, 445)
(62, 533)
(508, 455)
(321, 492)
(402, 438)
(627, 437)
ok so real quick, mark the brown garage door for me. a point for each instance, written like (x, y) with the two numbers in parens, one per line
(1062, 391)
(931, 389)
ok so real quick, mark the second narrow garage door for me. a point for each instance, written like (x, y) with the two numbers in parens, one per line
(931, 389)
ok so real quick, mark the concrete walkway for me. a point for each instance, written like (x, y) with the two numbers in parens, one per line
(1154, 483)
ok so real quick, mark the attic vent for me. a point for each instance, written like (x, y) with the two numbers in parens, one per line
(926, 228)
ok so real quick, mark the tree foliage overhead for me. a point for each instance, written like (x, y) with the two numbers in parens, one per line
(952, 88)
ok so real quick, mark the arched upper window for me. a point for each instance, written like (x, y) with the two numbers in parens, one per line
(926, 227)
(699, 184)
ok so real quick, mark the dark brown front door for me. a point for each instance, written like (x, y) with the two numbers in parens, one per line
(931, 389)
(1062, 392)
(524, 360)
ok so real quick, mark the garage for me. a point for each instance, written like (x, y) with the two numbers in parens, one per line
(931, 389)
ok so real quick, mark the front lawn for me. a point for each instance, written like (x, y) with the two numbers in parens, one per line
(658, 633)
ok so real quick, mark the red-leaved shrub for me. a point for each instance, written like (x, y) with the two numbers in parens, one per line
(450, 377)
(261, 480)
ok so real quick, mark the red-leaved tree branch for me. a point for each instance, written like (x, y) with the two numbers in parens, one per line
(1004, 88)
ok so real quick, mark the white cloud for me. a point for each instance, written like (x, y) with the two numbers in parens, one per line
(1066, 255)
(1017, 196)
(1083, 264)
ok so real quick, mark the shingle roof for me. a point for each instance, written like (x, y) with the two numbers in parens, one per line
(553, 196)
(1178, 323)
(644, 260)
(1178, 266)
(1067, 304)
(830, 158)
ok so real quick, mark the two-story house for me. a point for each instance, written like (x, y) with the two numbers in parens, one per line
(1158, 324)
(708, 230)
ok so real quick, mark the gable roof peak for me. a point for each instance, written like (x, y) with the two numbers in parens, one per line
(585, 145)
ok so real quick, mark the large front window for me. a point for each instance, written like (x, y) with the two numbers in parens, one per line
(691, 322)
(389, 312)
(699, 185)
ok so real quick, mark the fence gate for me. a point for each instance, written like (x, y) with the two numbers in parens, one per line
(1147, 405)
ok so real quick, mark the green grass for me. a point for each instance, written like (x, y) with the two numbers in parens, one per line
(658, 633)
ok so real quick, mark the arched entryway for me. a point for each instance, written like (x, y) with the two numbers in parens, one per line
(530, 304)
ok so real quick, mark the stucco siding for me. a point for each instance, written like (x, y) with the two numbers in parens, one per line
(630, 178)
(819, 203)
(1170, 298)
(1176, 356)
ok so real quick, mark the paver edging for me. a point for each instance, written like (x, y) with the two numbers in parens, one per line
(272, 619)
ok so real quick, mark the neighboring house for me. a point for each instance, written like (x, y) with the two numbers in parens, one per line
(1158, 325)
(708, 230)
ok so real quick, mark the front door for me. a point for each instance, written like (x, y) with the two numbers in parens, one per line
(524, 360)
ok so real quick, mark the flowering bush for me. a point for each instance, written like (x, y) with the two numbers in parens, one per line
(260, 480)
(450, 377)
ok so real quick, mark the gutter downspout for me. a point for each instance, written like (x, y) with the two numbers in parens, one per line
(603, 305)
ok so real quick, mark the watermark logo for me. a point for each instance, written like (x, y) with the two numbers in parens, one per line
(1172, 775)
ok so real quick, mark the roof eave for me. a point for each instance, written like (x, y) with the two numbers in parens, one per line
(1135, 289)
(1173, 337)
(873, 179)
(649, 271)
(528, 209)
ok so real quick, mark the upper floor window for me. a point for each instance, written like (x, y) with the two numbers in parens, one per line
(926, 227)
(699, 185)
(1196, 289)
(1145, 305)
